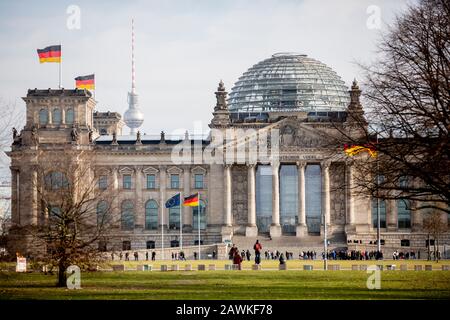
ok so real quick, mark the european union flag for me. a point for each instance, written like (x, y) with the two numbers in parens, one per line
(174, 201)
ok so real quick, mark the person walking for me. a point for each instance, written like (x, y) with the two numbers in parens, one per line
(237, 259)
(257, 247)
(153, 255)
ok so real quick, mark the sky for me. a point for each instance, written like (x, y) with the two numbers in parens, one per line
(183, 48)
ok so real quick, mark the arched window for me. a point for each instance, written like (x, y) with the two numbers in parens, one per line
(69, 116)
(43, 117)
(56, 116)
(102, 213)
(382, 211)
(150, 244)
(127, 215)
(56, 180)
(202, 216)
(174, 218)
(404, 214)
(151, 215)
(174, 243)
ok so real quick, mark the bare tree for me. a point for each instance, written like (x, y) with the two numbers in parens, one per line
(75, 214)
(435, 226)
(407, 103)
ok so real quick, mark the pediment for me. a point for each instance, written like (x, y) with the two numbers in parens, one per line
(198, 170)
(174, 170)
(150, 170)
(297, 135)
(126, 170)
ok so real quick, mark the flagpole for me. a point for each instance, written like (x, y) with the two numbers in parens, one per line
(181, 227)
(60, 66)
(198, 222)
(162, 233)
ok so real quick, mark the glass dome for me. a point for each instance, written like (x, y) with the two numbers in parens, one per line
(289, 82)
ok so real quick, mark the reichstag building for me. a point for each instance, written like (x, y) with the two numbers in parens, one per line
(286, 197)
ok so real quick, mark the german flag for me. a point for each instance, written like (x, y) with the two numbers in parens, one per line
(355, 149)
(85, 82)
(191, 201)
(50, 54)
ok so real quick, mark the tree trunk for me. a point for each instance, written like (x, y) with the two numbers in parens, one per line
(62, 276)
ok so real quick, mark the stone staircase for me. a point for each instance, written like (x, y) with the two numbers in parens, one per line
(289, 243)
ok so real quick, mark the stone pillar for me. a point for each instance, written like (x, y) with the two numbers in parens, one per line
(350, 223)
(34, 197)
(275, 228)
(163, 223)
(251, 230)
(416, 218)
(392, 215)
(228, 204)
(15, 205)
(187, 211)
(301, 229)
(116, 209)
(326, 192)
(138, 201)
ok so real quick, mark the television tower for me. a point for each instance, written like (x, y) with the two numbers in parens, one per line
(133, 117)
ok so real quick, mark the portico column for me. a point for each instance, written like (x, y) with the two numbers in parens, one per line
(326, 191)
(228, 207)
(139, 207)
(275, 228)
(162, 200)
(392, 215)
(34, 199)
(251, 230)
(115, 189)
(350, 201)
(301, 229)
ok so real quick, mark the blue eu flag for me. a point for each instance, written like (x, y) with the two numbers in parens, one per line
(174, 201)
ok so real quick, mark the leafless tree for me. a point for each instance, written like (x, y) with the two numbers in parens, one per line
(435, 226)
(75, 214)
(407, 107)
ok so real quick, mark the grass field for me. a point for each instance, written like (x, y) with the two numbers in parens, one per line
(245, 284)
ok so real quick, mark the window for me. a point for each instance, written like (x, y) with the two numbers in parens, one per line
(127, 181)
(263, 197)
(102, 211)
(54, 211)
(103, 182)
(288, 198)
(174, 218)
(55, 181)
(127, 215)
(150, 244)
(103, 132)
(382, 211)
(151, 215)
(196, 242)
(403, 182)
(404, 243)
(202, 216)
(69, 116)
(43, 117)
(198, 181)
(126, 245)
(429, 243)
(151, 181)
(174, 181)
(404, 214)
(56, 117)
(174, 243)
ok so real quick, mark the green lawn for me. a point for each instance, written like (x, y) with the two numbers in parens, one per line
(245, 284)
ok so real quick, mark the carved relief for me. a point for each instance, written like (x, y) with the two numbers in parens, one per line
(239, 185)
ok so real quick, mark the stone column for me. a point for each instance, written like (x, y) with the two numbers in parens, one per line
(301, 229)
(416, 217)
(116, 210)
(350, 223)
(34, 197)
(326, 192)
(163, 223)
(138, 201)
(187, 211)
(251, 230)
(15, 205)
(228, 204)
(275, 228)
(392, 215)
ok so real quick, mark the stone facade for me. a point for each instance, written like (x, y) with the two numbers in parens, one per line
(141, 169)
